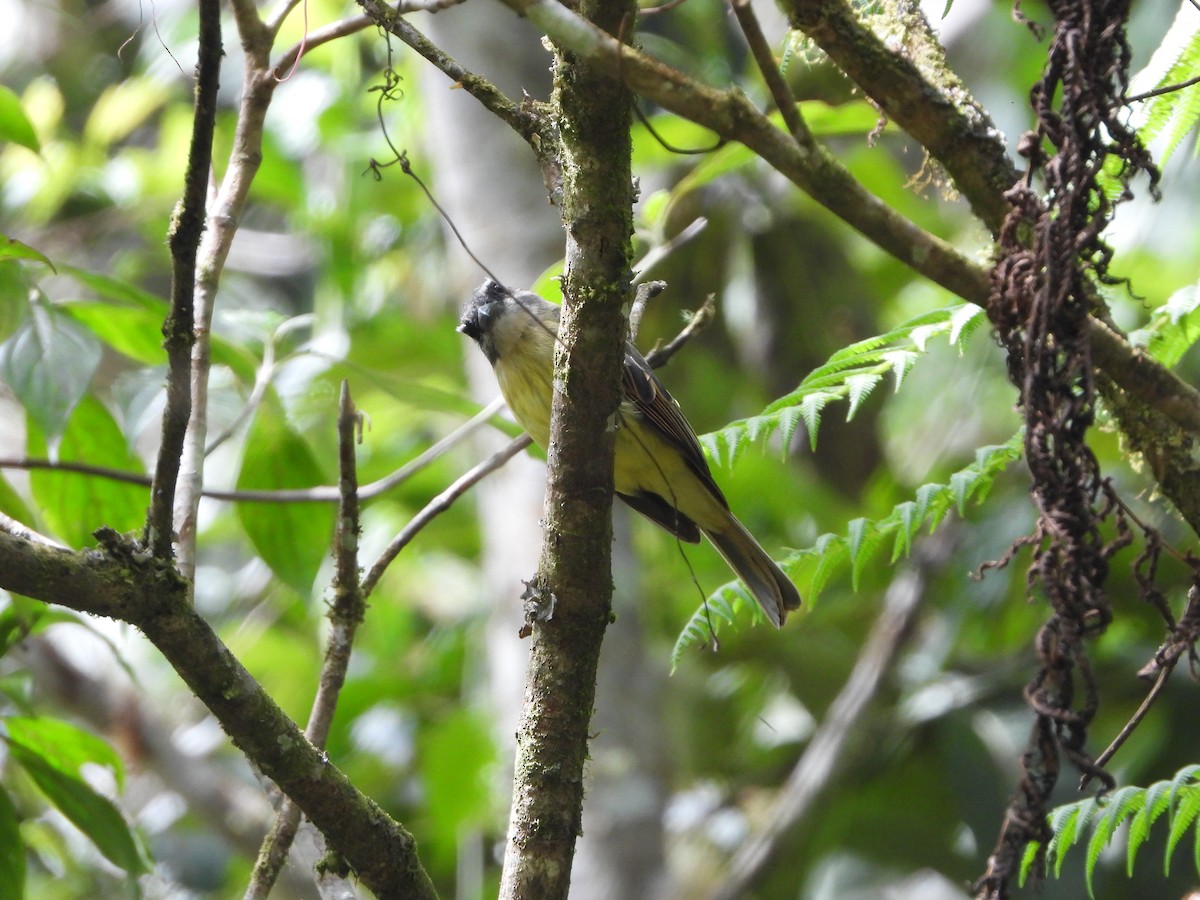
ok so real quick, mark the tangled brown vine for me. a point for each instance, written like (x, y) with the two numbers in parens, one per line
(1050, 251)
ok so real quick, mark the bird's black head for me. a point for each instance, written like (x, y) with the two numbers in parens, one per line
(479, 314)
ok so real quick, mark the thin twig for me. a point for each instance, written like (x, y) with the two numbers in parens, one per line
(700, 320)
(780, 92)
(1134, 721)
(346, 614)
(655, 255)
(320, 494)
(1165, 89)
(262, 380)
(439, 505)
(187, 226)
(520, 117)
(314, 39)
(646, 291)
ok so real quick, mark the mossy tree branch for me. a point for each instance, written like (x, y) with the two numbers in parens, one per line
(120, 581)
(575, 573)
(935, 108)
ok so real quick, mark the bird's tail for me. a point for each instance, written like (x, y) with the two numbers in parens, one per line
(770, 587)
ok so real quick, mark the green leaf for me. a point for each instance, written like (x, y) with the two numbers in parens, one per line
(1182, 818)
(1027, 861)
(11, 248)
(1120, 806)
(91, 813)
(292, 538)
(12, 851)
(123, 107)
(73, 504)
(49, 362)
(119, 292)
(457, 754)
(62, 745)
(1158, 798)
(132, 331)
(14, 124)
(859, 387)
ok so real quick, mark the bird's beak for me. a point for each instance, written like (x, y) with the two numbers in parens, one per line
(469, 324)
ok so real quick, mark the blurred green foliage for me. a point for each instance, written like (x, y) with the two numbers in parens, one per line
(339, 275)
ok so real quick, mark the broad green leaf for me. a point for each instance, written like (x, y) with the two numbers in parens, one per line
(64, 746)
(292, 538)
(133, 331)
(12, 851)
(457, 754)
(123, 107)
(14, 124)
(120, 292)
(11, 248)
(90, 812)
(12, 504)
(49, 362)
(73, 504)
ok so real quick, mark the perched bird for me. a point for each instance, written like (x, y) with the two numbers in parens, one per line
(660, 469)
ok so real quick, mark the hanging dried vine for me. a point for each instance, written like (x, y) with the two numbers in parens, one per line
(1050, 251)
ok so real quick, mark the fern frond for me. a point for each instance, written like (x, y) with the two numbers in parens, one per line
(1172, 328)
(812, 568)
(1140, 807)
(1175, 114)
(850, 374)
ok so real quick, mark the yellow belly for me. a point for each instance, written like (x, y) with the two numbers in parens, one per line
(645, 461)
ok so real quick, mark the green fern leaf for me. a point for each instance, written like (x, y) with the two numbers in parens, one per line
(789, 421)
(964, 321)
(901, 363)
(1027, 861)
(859, 388)
(834, 554)
(1158, 797)
(1063, 824)
(1183, 816)
(1120, 806)
(961, 483)
(810, 409)
(909, 521)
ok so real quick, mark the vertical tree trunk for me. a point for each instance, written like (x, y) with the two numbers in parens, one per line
(574, 579)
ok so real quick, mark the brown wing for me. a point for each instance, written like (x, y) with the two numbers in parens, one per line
(659, 410)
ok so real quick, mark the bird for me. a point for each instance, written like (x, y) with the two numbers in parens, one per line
(659, 468)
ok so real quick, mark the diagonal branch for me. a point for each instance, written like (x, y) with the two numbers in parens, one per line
(927, 111)
(921, 94)
(122, 582)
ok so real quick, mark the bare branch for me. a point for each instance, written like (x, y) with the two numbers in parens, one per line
(761, 51)
(321, 494)
(346, 614)
(314, 39)
(437, 506)
(523, 118)
(186, 227)
(123, 582)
